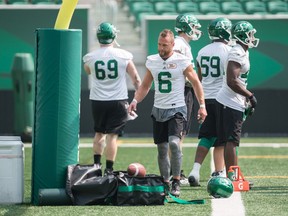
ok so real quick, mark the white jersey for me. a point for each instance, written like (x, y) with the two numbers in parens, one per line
(213, 62)
(169, 79)
(108, 70)
(226, 95)
(183, 47)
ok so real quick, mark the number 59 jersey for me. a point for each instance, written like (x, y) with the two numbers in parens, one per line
(212, 60)
(169, 79)
(108, 73)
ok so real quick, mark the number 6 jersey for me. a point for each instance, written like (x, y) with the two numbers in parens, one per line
(169, 79)
(108, 71)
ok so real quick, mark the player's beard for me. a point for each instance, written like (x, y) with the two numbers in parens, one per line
(164, 54)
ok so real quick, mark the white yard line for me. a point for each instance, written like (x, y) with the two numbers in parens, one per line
(227, 206)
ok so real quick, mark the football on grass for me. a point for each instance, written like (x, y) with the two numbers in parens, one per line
(136, 169)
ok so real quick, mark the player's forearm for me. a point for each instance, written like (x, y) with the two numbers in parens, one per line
(199, 92)
(137, 82)
(141, 93)
(237, 87)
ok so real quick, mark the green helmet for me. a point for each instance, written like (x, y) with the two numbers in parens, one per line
(188, 24)
(106, 33)
(243, 32)
(220, 187)
(220, 28)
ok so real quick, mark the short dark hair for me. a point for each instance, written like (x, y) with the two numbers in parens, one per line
(167, 33)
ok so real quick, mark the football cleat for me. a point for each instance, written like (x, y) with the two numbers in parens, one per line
(219, 173)
(175, 189)
(108, 172)
(183, 179)
(193, 180)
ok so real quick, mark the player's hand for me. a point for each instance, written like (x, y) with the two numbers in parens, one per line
(133, 106)
(253, 101)
(202, 113)
(249, 111)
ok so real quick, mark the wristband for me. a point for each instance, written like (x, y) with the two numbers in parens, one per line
(134, 100)
(202, 106)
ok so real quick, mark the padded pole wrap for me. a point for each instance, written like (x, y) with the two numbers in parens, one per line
(54, 196)
(57, 105)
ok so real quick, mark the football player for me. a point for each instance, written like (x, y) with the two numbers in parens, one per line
(187, 27)
(211, 63)
(168, 70)
(234, 95)
(107, 67)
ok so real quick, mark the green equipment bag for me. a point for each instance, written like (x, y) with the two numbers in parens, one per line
(133, 191)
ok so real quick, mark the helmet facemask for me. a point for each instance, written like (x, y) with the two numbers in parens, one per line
(251, 40)
(194, 33)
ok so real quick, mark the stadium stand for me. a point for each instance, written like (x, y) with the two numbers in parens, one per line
(165, 7)
(139, 7)
(244, 1)
(255, 7)
(221, 1)
(277, 7)
(210, 8)
(140, 16)
(198, 1)
(203, 7)
(154, 1)
(232, 7)
(176, 1)
(187, 7)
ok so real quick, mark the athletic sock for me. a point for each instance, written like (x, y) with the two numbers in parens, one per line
(109, 164)
(196, 169)
(97, 159)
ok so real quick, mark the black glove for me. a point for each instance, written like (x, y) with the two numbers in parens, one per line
(253, 101)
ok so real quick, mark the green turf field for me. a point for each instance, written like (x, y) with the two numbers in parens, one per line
(265, 166)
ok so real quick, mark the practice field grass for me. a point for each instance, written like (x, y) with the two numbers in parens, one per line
(265, 166)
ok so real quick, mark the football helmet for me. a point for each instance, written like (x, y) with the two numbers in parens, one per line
(220, 28)
(106, 33)
(220, 187)
(244, 32)
(188, 24)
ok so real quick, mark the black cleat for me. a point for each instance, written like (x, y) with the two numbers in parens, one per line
(193, 181)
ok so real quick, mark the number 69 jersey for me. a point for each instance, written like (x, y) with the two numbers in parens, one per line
(108, 72)
(169, 79)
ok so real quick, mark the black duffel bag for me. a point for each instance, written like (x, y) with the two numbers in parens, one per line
(86, 187)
